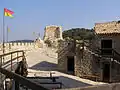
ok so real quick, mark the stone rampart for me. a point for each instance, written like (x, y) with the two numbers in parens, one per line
(114, 86)
(19, 45)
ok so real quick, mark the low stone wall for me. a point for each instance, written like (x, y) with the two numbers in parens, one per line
(16, 45)
(114, 86)
(20, 44)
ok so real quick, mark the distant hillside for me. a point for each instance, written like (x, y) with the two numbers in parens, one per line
(22, 41)
(79, 33)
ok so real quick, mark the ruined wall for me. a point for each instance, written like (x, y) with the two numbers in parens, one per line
(53, 34)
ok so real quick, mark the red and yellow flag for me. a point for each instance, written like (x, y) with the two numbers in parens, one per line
(8, 13)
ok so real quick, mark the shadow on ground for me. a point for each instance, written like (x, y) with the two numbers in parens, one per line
(71, 83)
(66, 81)
(47, 66)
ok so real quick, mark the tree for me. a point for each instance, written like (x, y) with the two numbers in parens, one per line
(79, 33)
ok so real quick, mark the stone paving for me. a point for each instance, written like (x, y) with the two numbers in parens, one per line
(43, 61)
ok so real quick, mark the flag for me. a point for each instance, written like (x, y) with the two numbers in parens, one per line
(8, 29)
(8, 13)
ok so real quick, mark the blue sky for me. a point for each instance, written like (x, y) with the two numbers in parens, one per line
(33, 15)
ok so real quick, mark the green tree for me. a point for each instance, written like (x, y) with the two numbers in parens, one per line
(79, 33)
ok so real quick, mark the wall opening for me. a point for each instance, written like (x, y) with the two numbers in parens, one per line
(106, 72)
(106, 46)
(70, 64)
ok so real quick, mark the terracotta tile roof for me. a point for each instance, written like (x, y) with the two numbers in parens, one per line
(107, 28)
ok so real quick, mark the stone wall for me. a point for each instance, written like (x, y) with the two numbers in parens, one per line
(114, 86)
(53, 34)
(115, 41)
(65, 49)
(19, 45)
(86, 62)
(109, 31)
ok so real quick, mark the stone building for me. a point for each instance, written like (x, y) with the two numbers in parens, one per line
(53, 34)
(76, 58)
(108, 39)
(98, 58)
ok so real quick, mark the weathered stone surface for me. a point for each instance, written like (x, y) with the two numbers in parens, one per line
(53, 34)
(107, 28)
(115, 86)
(65, 49)
(85, 63)
(39, 43)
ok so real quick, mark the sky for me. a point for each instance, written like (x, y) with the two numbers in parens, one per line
(33, 15)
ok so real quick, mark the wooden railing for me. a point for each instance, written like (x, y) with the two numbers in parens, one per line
(113, 53)
(12, 56)
(19, 80)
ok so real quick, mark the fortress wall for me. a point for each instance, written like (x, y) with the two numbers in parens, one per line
(19, 45)
(114, 86)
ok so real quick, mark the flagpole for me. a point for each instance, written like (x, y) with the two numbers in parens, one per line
(3, 35)
(7, 34)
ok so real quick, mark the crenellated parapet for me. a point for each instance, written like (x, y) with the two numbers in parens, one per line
(17, 45)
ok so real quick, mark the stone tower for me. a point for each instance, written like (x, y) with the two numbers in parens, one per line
(53, 34)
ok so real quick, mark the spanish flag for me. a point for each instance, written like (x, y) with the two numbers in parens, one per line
(8, 13)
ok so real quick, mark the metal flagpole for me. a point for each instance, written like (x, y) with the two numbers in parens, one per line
(7, 34)
(2, 58)
(3, 36)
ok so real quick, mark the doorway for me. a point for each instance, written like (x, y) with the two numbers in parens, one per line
(106, 46)
(106, 72)
(70, 64)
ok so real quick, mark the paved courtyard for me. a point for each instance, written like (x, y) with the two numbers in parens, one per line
(43, 61)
